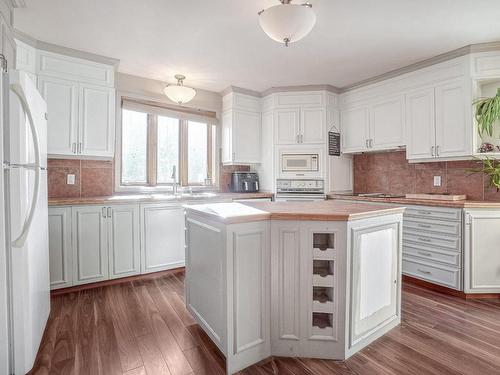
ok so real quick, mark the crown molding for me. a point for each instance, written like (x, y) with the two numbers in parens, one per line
(330, 88)
(240, 90)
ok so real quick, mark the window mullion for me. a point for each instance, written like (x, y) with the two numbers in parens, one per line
(209, 152)
(183, 152)
(152, 149)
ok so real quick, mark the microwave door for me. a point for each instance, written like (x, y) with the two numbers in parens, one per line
(295, 163)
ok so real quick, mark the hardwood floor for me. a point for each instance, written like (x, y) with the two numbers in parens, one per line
(141, 327)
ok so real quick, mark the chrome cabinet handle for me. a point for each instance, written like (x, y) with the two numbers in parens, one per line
(371, 143)
(109, 211)
(425, 212)
(437, 150)
(73, 148)
(432, 150)
(424, 225)
(104, 212)
(424, 253)
(424, 239)
(424, 272)
(367, 144)
(80, 147)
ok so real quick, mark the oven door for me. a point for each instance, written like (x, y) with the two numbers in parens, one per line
(299, 162)
(299, 198)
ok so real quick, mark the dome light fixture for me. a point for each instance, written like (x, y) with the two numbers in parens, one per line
(179, 93)
(287, 23)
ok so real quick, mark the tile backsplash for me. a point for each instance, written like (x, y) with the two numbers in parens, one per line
(93, 178)
(390, 172)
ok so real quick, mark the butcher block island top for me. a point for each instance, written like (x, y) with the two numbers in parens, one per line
(293, 279)
(308, 211)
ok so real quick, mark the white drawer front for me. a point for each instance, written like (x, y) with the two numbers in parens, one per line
(451, 258)
(434, 212)
(415, 224)
(452, 243)
(440, 275)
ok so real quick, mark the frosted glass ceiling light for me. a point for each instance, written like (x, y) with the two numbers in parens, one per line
(179, 93)
(287, 23)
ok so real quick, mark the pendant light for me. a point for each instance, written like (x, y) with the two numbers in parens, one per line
(179, 93)
(287, 23)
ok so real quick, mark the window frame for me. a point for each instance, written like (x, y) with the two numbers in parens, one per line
(152, 184)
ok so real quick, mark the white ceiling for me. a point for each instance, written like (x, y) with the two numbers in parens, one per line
(219, 43)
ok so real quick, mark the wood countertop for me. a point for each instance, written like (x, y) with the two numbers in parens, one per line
(420, 202)
(155, 198)
(333, 210)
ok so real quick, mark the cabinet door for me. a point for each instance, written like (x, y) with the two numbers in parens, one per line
(97, 120)
(287, 126)
(312, 125)
(62, 114)
(162, 237)
(374, 278)
(481, 255)
(285, 287)
(246, 137)
(420, 125)
(124, 243)
(354, 129)
(453, 124)
(387, 129)
(227, 137)
(61, 268)
(90, 245)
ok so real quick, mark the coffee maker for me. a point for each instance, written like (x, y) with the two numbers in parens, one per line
(244, 182)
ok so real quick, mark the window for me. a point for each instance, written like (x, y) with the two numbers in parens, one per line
(158, 150)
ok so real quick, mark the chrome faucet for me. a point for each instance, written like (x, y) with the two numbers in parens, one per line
(174, 177)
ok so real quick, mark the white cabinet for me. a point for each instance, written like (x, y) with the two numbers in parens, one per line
(241, 129)
(97, 119)
(90, 245)
(374, 126)
(162, 237)
(420, 124)
(60, 255)
(453, 120)
(80, 105)
(481, 255)
(287, 126)
(439, 122)
(123, 240)
(300, 125)
(354, 129)
(62, 114)
(387, 126)
(105, 242)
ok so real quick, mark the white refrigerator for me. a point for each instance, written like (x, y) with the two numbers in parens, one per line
(24, 256)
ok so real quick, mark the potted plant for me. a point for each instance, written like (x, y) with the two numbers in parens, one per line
(487, 112)
(490, 168)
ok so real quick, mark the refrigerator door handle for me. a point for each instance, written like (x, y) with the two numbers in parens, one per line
(19, 242)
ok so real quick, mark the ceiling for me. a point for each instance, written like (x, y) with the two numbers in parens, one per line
(219, 43)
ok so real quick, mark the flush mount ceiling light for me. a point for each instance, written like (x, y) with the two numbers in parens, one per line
(179, 93)
(287, 23)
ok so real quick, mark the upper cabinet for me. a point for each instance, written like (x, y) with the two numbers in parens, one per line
(301, 125)
(80, 99)
(241, 129)
(376, 125)
(439, 122)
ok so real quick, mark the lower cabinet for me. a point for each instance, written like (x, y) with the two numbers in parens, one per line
(60, 254)
(162, 237)
(481, 255)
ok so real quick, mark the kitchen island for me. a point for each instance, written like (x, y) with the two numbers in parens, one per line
(315, 279)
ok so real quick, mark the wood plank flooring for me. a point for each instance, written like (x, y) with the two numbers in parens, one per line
(141, 327)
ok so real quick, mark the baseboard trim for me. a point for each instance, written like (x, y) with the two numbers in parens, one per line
(449, 291)
(146, 276)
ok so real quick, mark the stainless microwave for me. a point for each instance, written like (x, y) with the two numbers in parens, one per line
(299, 162)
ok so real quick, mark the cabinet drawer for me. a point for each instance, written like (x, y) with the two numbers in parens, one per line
(428, 254)
(323, 253)
(443, 227)
(452, 243)
(440, 275)
(323, 307)
(434, 212)
(319, 280)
